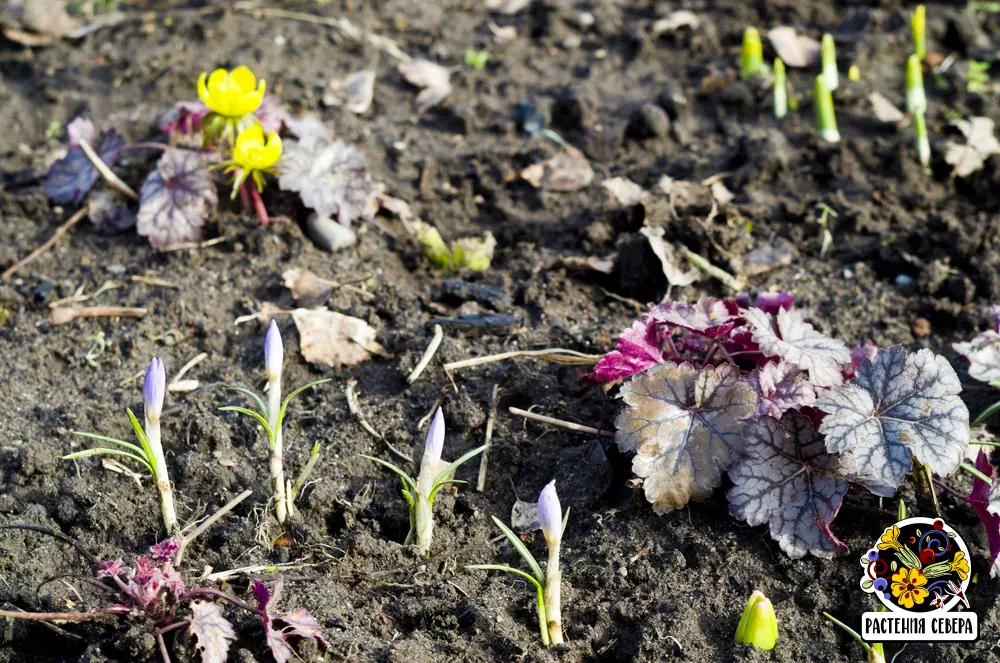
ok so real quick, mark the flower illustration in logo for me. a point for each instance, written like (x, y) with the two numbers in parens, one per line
(889, 540)
(908, 587)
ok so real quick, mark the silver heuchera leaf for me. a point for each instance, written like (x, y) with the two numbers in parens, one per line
(788, 481)
(330, 177)
(684, 425)
(782, 387)
(898, 406)
(983, 353)
(176, 198)
(212, 630)
(791, 338)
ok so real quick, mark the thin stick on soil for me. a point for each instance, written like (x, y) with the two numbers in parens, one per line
(717, 273)
(66, 314)
(53, 616)
(60, 231)
(568, 425)
(484, 458)
(355, 409)
(428, 354)
(197, 359)
(208, 522)
(195, 245)
(557, 355)
(164, 653)
(109, 176)
(93, 561)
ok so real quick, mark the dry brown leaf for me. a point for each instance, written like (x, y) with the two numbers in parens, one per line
(567, 171)
(672, 264)
(37, 22)
(681, 18)
(589, 264)
(625, 191)
(885, 110)
(303, 283)
(334, 339)
(355, 92)
(795, 50)
(433, 78)
(508, 7)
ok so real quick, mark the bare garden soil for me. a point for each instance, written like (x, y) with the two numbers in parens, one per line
(908, 245)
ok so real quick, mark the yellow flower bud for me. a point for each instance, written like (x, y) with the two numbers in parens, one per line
(758, 626)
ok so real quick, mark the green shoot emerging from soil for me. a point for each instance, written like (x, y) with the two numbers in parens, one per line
(149, 452)
(918, 23)
(826, 119)
(875, 651)
(923, 143)
(434, 475)
(916, 100)
(546, 585)
(271, 416)
(780, 89)
(752, 56)
(758, 625)
(828, 59)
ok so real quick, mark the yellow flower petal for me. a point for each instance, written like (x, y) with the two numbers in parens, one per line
(243, 79)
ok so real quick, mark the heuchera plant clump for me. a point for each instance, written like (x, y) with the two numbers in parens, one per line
(792, 415)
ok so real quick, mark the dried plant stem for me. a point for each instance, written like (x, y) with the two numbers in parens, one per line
(557, 355)
(569, 425)
(109, 176)
(208, 522)
(717, 273)
(197, 359)
(484, 459)
(352, 405)
(53, 616)
(428, 354)
(66, 314)
(60, 231)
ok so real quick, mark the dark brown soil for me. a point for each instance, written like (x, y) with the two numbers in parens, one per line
(637, 587)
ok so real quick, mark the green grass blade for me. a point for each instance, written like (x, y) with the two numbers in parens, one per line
(101, 451)
(407, 480)
(565, 520)
(519, 546)
(986, 414)
(284, 403)
(137, 450)
(440, 481)
(250, 413)
(262, 408)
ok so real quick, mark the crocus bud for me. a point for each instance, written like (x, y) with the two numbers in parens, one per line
(758, 626)
(153, 389)
(550, 513)
(274, 352)
(435, 440)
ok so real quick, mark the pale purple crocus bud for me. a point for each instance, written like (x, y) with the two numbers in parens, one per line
(435, 439)
(274, 352)
(550, 513)
(153, 389)
(996, 318)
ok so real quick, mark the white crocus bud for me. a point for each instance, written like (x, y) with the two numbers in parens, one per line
(274, 352)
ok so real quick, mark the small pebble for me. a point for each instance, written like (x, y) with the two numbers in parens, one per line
(117, 270)
(904, 281)
(329, 235)
(921, 328)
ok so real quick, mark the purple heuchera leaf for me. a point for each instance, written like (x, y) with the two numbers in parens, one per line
(707, 317)
(70, 178)
(772, 302)
(109, 216)
(148, 582)
(858, 356)
(782, 387)
(638, 348)
(213, 631)
(983, 354)
(979, 500)
(184, 118)
(298, 623)
(787, 480)
(897, 407)
(790, 337)
(176, 198)
(329, 176)
(685, 427)
(165, 550)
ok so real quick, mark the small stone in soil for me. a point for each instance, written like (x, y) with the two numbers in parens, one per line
(921, 328)
(329, 235)
(649, 121)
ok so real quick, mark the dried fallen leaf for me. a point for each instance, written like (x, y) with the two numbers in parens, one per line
(795, 50)
(885, 110)
(567, 171)
(507, 6)
(671, 263)
(433, 78)
(304, 284)
(333, 339)
(981, 143)
(681, 18)
(355, 92)
(625, 191)
(721, 194)
(37, 22)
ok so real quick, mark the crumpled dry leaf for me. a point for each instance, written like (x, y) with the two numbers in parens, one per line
(795, 50)
(765, 258)
(885, 110)
(625, 191)
(983, 354)
(303, 284)
(334, 339)
(355, 92)
(37, 22)
(508, 7)
(672, 264)
(567, 171)
(433, 78)
(685, 426)
(676, 20)
(981, 143)
(721, 193)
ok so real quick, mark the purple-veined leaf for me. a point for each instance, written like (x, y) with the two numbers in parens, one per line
(184, 118)
(791, 338)
(772, 302)
(685, 426)
(638, 348)
(110, 568)
(979, 500)
(213, 631)
(176, 198)
(782, 387)
(983, 354)
(707, 317)
(787, 480)
(898, 406)
(858, 356)
(329, 176)
(164, 551)
(300, 624)
(109, 215)
(70, 178)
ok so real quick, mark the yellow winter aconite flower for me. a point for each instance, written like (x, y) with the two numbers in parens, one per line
(253, 156)
(232, 94)
(758, 625)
